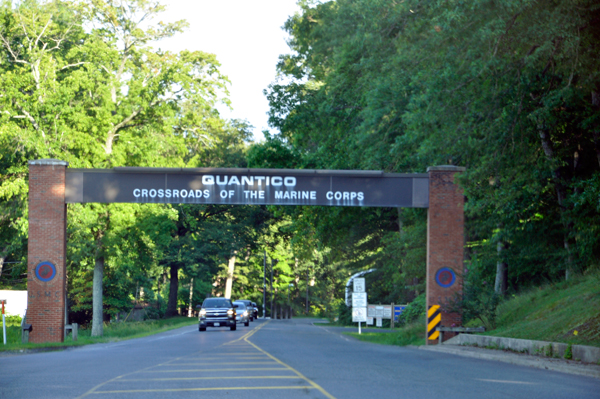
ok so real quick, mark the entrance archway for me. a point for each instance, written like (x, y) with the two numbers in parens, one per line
(52, 185)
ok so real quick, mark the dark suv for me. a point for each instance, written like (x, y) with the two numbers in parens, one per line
(217, 312)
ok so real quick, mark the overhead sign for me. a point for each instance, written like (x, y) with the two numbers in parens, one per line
(359, 284)
(247, 187)
(359, 299)
(359, 315)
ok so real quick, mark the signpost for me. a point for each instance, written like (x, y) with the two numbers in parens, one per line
(359, 284)
(3, 320)
(359, 299)
(359, 302)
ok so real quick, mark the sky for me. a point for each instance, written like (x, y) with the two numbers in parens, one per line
(246, 37)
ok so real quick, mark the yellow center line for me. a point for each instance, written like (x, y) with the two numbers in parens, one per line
(241, 342)
(201, 389)
(314, 384)
(216, 363)
(210, 370)
(264, 377)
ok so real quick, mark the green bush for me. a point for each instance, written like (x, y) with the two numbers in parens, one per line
(479, 300)
(343, 314)
(414, 311)
(569, 352)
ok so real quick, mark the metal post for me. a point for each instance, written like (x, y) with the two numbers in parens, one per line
(265, 285)
(3, 322)
(307, 275)
(359, 332)
(271, 291)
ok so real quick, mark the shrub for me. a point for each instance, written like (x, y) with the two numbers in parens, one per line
(414, 311)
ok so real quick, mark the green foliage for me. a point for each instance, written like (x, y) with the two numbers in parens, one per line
(414, 311)
(343, 314)
(479, 301)
(556, 312)
(508, 90)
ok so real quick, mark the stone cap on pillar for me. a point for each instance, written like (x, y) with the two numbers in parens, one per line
(49, 161)
(446, 168)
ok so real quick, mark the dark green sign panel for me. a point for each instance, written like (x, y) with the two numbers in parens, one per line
(247, 187)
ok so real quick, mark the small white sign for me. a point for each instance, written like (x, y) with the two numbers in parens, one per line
(359, 314)
(359, 299)
(387, 312)
(379, 322)
(379, 311)
(359, 284)
(369, 320)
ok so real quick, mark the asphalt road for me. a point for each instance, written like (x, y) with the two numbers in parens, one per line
(273, 359)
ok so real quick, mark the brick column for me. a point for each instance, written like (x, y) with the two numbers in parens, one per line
(46, 256)
(445, 243)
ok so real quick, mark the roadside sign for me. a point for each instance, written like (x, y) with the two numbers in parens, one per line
(369, 320)
(379, 322)
(359, 299)
(398, 309)
(387, 311)
(359, 284)
(381, 311)
(359, 314)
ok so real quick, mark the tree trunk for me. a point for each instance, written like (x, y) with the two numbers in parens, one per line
(229, 282)
(190, 307)
(561, 194)
(173, 288)
(501, 271)
(97, 312)
(596, 131)
(2, 257)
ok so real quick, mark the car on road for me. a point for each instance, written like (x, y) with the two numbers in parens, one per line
(255, 310)
(248, 305)
(243, 313)
(217, 312)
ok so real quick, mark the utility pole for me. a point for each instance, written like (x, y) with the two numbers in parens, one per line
(265, 285)
(307, 274)
(271, 291)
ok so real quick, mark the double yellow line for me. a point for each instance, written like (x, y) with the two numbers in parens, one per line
(243, 340)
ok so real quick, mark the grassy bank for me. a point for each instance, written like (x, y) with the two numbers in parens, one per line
(112, 332)
(567, 312)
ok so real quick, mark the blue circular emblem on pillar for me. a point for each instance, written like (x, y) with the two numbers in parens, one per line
(445, 277)
(45, 271)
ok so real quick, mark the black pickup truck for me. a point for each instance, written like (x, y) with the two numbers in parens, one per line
(217, 312)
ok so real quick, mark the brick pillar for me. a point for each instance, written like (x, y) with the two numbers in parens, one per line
(46, 256)
(445, 243)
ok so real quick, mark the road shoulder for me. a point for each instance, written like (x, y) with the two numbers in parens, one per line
(554, 364)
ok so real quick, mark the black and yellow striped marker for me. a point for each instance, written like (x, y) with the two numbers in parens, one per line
(434, 318)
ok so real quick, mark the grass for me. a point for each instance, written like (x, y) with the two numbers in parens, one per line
(112, 332)
(411, 334)
(567, 312)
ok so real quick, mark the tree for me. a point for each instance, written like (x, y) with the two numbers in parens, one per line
(81, 82)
